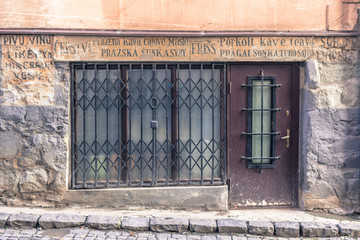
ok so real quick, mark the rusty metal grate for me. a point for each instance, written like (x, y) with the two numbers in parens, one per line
(148, 124)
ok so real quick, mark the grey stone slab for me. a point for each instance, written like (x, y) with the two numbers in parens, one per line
(263, 228)
(349, 229)
(178, 236)
(287, 229)
(3, 218)
(222, 237)
(169, 224)
(193, 237)
(136, 224)
(239, 238)
(163, 235)
(313, 229)
(61, 221)
(231, 226)
(203, 225)
(103, 222)
(208, 238)
(22, 220)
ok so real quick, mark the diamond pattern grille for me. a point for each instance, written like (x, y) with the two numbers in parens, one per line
(148, 124)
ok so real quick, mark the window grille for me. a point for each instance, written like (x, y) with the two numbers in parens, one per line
(261, 121)
(148, 124)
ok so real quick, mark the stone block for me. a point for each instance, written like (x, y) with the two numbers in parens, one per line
(33, 114)
(136, 224)
(313, 229)
(287, 229)
(10, 144)
(312, 75)
(169, 224)
(12, 113)
(351, 229)
(61, 221)
(3, 218)
(263, 228)
(34, 181)
(22, 220)
(350, 95)
(231, 226)
(103, 222)
(203, 225)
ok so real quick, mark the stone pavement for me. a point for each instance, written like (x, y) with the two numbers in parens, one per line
(33, 223)
(89, 234)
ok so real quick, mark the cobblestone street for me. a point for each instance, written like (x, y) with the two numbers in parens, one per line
(89, 234)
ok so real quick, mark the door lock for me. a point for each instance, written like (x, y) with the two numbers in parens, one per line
(287, 137)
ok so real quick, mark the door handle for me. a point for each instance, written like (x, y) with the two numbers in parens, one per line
(287, 137)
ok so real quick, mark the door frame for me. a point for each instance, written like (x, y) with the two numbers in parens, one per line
(295, 87)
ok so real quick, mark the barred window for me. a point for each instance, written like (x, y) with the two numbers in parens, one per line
(147, 124)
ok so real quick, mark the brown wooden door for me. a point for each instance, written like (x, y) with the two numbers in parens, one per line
(257, 177)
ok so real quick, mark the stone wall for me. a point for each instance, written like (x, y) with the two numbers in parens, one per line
(34, 148)
(330, 141)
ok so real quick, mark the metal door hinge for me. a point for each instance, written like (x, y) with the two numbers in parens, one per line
(228, 90)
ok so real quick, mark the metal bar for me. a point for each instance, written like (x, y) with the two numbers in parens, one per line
(154, 139)
(253, 110)
(73, 124)
(255, 158)
(141, 124)
(84, 157)
(178, 120)
(262, 122)
(95, 119)
(107, 79)
(119, 133)
(213, 122)
(167, 109)
(201, 124)
(273, 118)
(174, 125)
(131, 158)
(124, 126)
(254, 85)
(255, 134)
(224, 109)
(189, 156)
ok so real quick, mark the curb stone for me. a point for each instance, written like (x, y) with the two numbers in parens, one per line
(203, 225)
(287, 229)
(136, 224)
(192, 226)
(169, 224)
(263, 228)
(349, 229)
(313, 229)
(103, 222)
(23, 220)
(3, 218)
(61, 221)
(231, 225)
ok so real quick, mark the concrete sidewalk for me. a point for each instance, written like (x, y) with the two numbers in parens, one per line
(287, 223)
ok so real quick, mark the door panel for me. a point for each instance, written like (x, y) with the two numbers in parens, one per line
(265, 177)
